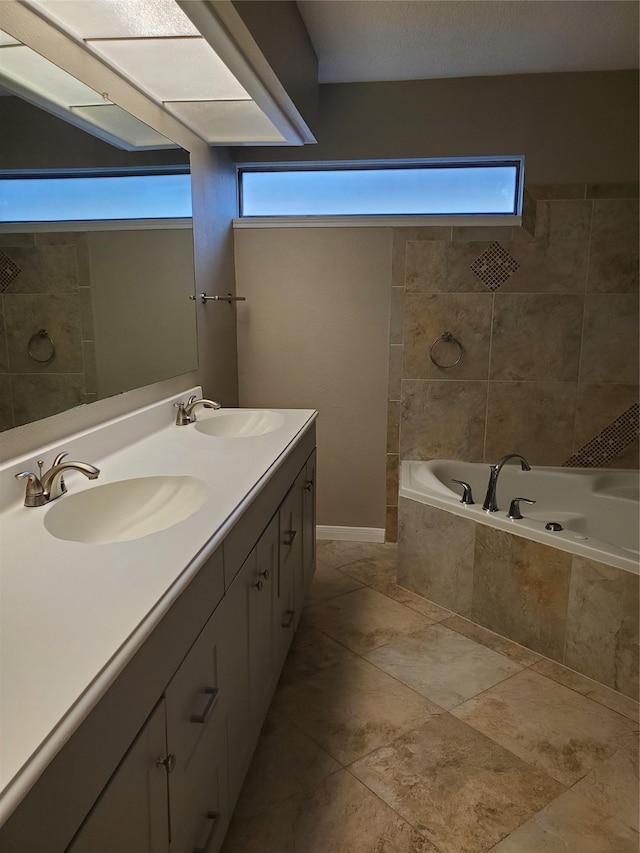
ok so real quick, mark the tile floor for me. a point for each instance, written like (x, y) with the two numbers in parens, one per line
(398, 727)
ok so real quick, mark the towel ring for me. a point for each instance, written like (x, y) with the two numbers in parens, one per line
(33, 340)
(447, 337)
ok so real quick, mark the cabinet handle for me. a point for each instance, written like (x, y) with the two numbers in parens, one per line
(168, 763)
(289, 620)
(258, 585)
(265, 574)
(292, 534)
(212, 816)
(308, 485)
(212, 692)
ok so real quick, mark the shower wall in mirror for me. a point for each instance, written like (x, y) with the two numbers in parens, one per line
(87, 314)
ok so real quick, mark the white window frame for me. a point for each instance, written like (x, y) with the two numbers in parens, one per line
(458, 219)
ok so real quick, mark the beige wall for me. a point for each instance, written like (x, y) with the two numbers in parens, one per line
(144, 322)
(311, 335)
(580, 127)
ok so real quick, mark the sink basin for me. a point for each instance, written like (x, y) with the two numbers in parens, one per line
(240, 424)
(125, 510)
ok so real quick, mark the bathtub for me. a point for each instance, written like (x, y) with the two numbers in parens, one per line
(596, 507)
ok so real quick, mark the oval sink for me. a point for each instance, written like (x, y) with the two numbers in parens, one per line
(126, 510)
(240, 424)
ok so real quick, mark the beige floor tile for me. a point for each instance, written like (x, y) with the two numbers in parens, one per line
(512, 650)
(311, 651)
(546, 724)
(328, 582)
(381, 575)
(463, 791)
(336, 554)
(570, 825)
(364, 619)
(339, 816)
(612, 786)
(443, 665)
(416, 602)
(352, 708)
(372, 571)
(581, 684)
(285, 763)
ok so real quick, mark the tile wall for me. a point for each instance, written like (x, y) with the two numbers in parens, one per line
(547, 317)
(575, 611)
(44, 285)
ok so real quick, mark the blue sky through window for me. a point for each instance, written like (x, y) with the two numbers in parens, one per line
(477, 189)
(62, 199)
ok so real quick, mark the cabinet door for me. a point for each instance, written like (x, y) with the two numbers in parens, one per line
(309, 521)
(131, 815)
(263, 672)
(236, 673)
(291, 568)
(197, 748)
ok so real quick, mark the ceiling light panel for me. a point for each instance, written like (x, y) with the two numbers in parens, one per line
(180, 69)
(121, 125)
(227, 122)
(28, 69)
(117, 18)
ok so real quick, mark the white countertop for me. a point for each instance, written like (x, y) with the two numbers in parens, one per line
(73, 614)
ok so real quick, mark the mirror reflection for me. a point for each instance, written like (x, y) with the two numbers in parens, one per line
(87, 312)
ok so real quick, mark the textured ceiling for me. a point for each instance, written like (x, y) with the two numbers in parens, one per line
(368, 40)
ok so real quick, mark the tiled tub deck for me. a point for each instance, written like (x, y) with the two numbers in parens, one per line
(578, 612)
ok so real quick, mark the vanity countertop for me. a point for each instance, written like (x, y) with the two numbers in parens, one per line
(73, 614)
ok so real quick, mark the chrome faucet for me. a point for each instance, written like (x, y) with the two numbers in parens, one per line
(49, 486)
(186, 414)
(490, 503)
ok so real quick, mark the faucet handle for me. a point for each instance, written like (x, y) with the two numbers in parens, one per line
(514, 508)
(467, 496)
(34, 493)
(182, 418)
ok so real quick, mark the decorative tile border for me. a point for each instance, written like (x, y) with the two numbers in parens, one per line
(9, 271)
(609, 443)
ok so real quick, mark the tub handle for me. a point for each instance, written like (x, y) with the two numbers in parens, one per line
(467, 496)
(514, 508)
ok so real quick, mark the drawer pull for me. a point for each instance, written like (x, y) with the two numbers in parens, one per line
(308, 485)
(212, 692)
(212, 816)
(289, 614)
(265, 574)
(168, 763)
(258, 585)
(292, 534)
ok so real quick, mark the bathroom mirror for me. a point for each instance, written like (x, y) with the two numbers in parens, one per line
(87, 313)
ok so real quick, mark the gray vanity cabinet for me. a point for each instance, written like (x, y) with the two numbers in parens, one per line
(248, 657)
(309, 522)
(132, 812)
(158, 763)
(196, 751)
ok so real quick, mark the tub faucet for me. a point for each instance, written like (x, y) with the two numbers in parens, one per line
(50, 485)
(186, 414)
(490, 503)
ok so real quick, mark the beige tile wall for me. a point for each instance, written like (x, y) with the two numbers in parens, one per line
(550, 356)
(51, 291)
(570, 609)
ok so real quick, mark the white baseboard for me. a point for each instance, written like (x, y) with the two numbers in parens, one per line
(350, 534)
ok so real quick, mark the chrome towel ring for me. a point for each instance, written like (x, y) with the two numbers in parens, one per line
(42, 340)
(447, 338)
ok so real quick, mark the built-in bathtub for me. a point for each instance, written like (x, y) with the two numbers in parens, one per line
(570, 594)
